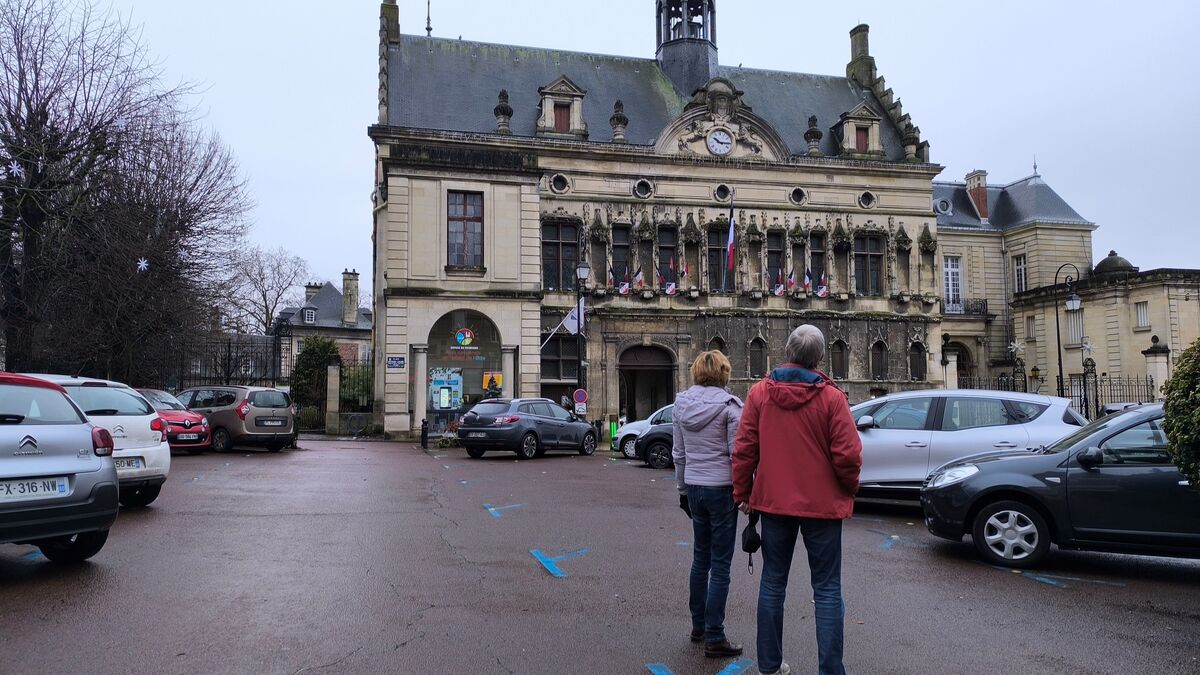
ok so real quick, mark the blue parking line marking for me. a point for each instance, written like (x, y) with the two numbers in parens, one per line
(683, 543)
(1045, 580)
(495, 510)
(737, 667)
(32, 554)
(1082, 580)
(551, 564)
(890, 541)
(659, 669)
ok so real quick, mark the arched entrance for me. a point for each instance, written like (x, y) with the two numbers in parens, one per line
(647, 377)
(966, 364)
(463, 367)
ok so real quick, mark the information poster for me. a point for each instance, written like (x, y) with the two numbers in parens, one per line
(445, 387)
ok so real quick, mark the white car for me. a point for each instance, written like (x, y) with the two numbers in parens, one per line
(142, 454)
(626, 437)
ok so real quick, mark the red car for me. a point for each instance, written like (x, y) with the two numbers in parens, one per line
(186, 430)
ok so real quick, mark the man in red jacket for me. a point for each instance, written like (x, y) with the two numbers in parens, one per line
(796, 462)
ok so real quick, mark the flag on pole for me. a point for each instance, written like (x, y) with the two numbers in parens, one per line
(571, 323)
(791, 280)
(823, 287)
(612, 277)
(807, 280)
(767, 277)
(730, 243)
(662, 281)
(780, 288)
(638, 278)
(683, 273)
(624, 288)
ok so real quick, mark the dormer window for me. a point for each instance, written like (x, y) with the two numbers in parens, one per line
(859, 132)
(310, 316)
(562, 110)
(862, 138)
(562, 118)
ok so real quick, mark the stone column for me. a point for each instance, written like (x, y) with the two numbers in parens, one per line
(420, 375)
(508, 369)
(1158, 364)
(333, 389)
(950, 370)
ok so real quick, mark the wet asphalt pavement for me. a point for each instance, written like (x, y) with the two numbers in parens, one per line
(356, 557)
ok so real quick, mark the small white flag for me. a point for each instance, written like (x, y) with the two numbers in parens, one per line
(571, 323)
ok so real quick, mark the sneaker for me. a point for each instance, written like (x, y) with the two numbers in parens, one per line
(722, 649)
(784, 669)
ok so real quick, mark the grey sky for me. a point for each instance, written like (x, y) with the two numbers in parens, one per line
(1100, 92)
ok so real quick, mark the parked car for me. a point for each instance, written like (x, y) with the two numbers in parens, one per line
(907, 435)
(58, 485)
(186, 430)
(142, 454)
(526, 426)
(237, 415)
(654, 445)
(627, 434)
(1110, 486)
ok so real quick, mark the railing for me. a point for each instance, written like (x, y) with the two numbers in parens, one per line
(966, 307)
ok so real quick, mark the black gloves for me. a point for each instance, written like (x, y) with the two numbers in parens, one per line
(683, 504)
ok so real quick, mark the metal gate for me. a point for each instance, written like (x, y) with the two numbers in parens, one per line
(1090, 393)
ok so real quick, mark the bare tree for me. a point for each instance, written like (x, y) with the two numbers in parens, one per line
(264, 281)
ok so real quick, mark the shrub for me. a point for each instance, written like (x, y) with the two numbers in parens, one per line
(1182, 422)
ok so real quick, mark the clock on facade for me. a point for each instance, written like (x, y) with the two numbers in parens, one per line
(720, 142)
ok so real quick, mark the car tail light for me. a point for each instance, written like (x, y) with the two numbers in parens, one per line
(160, 425)
(506, 419)
(102, 442)
(243, 410)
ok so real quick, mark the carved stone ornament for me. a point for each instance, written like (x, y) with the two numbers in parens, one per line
(797, 235)
(691, 232)
(619, 121)
(841, 239)
(598, 232)
(503, 112)
(813, 137)
(926, 242)
(646, 230)
(717, 123)
(903, 241)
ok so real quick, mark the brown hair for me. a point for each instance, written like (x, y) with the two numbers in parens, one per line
(711, 369)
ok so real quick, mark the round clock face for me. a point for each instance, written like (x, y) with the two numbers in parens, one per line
(720, 142)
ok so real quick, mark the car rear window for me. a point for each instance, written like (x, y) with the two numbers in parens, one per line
(490, 409)
(105, 401)
(1073, 418)
(161, 400)
(1028, 411)
(268, 399)
(35, 405)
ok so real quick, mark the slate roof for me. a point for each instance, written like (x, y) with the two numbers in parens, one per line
(452, 85)
(1026, 201)
(328, 303)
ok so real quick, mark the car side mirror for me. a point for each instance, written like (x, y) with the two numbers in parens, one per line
(1093, 456)
(574, 417)
(865, 422)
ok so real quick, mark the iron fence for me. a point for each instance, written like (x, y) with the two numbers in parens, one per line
(251, 360)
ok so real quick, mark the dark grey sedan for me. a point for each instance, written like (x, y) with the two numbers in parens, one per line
(1111, 486)
(526, 426)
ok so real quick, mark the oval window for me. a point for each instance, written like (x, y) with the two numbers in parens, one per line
(867, 200)
(722, 192)
(559, 183)
(643, 189)
(798, 196)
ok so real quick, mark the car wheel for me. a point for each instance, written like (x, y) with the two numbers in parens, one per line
(74, 548)
(475, 453)
(629, 447)
(529, 446)
(589, 444)
(221, 441)
(138, 497)
(1011, 534)
(658, 455)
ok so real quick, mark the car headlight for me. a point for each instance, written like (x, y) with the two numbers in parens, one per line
(955, 475)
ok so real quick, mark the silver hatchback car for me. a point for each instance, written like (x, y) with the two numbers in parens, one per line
(906, 436)
(58, 485)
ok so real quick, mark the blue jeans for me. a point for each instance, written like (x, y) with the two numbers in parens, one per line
(714, 524)
(823, 541)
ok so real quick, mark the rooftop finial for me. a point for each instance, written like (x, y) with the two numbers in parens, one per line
(1035, 164)
(428, 23)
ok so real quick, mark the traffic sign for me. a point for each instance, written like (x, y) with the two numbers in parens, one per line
(580, 408)
(580, 396)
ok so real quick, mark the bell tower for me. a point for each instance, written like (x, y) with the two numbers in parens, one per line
(687, 42)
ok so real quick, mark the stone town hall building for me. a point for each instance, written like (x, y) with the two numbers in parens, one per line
(499, 166)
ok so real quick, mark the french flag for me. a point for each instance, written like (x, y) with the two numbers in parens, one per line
(612, 276)
(638, 278)
(807, 280)
(791, 280)
(823, 287)
(683, 273)
(730, 244)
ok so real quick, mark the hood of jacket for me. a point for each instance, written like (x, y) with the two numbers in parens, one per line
(698, 407)
(790, 386)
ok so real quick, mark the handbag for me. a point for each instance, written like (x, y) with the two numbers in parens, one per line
(751, 541)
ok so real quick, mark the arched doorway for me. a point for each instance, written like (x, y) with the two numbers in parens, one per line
(966, 364)
(463, 367)
(647, 380)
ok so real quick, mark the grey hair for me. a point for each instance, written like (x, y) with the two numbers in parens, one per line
(805, 346)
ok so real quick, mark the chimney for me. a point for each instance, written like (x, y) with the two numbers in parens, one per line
(977, 189)
(862, 65)
(350, 297)
(310, 290)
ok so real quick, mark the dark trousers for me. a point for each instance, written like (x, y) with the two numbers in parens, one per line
(823, 541)
(714, 524)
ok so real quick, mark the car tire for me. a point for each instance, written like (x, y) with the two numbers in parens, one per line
(1011, 534)
(475, 453)
(629, 447)
(588, 446)
(658, 455)
(221, 442)
(530, 447)
(139, 497)
(74, 548)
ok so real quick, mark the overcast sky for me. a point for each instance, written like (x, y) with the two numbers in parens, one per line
(1102, 93)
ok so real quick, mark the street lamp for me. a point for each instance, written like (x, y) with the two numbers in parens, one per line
(582, 272)
(1073, 303)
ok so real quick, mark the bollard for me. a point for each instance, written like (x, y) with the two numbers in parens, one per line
(425, 434)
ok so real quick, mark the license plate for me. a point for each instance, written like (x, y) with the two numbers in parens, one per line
(271, 423)
(188, 437)
(33, 488)
(477, 434)
(129, 462)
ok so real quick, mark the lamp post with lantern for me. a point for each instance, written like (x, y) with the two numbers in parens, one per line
(582, 272)
(1073, 304)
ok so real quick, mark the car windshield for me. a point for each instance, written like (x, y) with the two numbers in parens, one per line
(1067, 442)
(161, 400)
(105, 401)
(35, 405)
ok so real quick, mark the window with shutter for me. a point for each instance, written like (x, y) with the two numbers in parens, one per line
(562, 117)
(861, 139)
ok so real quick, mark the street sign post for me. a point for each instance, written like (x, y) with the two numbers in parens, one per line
(580, 396)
